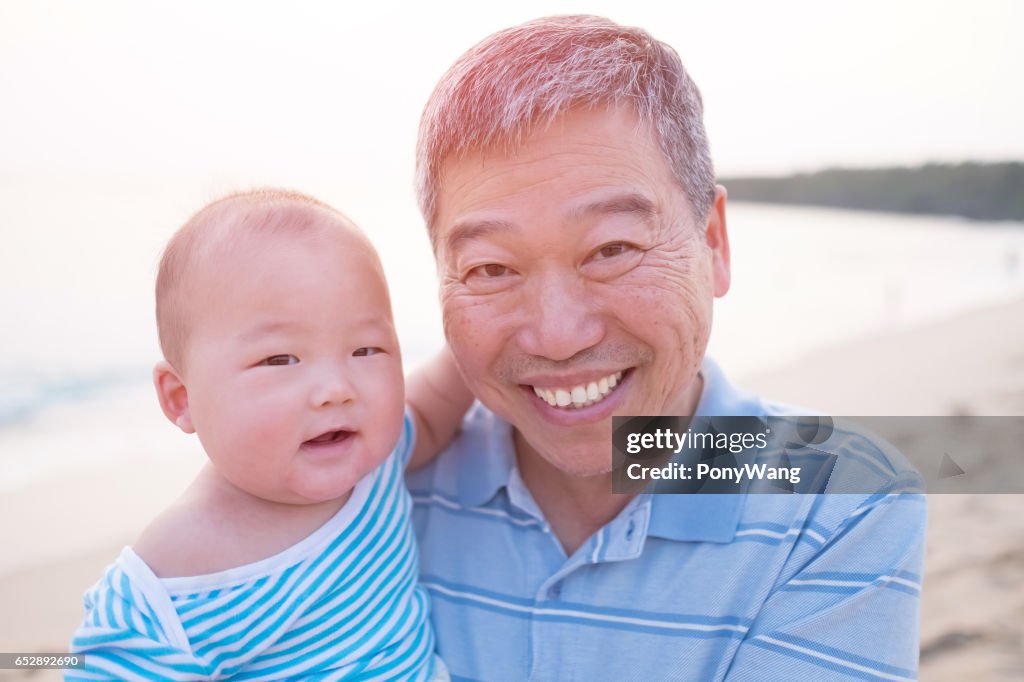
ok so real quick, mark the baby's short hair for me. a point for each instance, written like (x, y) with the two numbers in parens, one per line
(217, 227)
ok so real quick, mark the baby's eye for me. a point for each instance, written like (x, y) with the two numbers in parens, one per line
(275, 360)
(365, 351)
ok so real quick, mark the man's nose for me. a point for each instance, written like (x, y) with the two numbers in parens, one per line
(561, 317)
(331, 386)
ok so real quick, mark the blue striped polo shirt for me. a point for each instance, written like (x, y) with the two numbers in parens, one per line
(676, 587)
(343, 603)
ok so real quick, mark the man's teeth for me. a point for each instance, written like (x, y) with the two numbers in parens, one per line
(579, 396)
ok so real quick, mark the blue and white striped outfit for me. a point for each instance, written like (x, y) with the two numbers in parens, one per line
(676, 587)
(341, 604)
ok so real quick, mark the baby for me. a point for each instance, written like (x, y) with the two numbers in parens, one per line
(291, 555)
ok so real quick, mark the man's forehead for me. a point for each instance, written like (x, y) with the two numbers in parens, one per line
(577, 137)
(586, 165)
(508, 137)
(616, 202)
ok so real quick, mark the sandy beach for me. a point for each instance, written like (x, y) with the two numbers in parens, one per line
(58, 534)
(972, 606)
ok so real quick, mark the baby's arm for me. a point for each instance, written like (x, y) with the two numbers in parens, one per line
(124, 636)
(437, 398)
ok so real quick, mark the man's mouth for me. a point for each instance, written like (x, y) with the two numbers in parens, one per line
(581, 395)
(329, 438)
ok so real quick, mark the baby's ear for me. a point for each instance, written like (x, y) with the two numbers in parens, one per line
(173, 396)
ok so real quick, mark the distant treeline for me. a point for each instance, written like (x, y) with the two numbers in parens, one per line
(983, 191)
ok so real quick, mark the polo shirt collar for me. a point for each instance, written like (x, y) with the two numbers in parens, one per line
(708, 517)
(487, 466)
(720, 398)
(487, 462)
(695, 518)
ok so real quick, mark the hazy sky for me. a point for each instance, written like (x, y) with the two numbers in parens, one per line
(120, 119)
(217, 87)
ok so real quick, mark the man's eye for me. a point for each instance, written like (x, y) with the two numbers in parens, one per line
(612, 250)
(275, 360)
(490, 271)
(365, 351)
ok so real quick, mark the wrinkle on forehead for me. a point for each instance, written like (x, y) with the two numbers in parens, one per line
(615, 132)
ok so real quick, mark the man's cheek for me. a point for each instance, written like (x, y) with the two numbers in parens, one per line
(466, 337)
(458, 311)
(471, 320)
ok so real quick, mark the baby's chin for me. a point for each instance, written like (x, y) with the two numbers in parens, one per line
(321, 490)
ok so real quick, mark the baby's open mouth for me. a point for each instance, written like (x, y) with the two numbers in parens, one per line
(329, 438)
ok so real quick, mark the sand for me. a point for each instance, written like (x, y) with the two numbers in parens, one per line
(58, 535)
(972, 606)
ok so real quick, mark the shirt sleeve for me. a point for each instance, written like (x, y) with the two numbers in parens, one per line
(121, 638)
(853, 610)
(407, 440)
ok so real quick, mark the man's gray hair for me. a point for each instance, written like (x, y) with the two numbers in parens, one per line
(527, 75)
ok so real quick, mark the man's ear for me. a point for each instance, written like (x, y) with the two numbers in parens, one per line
(718, 239)
(173, 396)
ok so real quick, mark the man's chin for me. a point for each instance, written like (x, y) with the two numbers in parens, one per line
(570, 458)
(583, 469)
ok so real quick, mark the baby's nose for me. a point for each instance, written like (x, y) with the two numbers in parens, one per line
(332, 388)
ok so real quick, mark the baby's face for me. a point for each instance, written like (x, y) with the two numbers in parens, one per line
(292, 366)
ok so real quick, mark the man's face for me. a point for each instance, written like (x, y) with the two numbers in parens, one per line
(573, 273)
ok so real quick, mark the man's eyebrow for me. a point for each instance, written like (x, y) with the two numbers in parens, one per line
(631, 202)
(623, 203)
(469, 230)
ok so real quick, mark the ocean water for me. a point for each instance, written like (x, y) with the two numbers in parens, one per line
(808, 277)
(79, 338)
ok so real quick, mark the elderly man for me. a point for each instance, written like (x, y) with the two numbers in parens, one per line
(564, 174)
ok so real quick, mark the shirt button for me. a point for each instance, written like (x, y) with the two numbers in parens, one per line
(629, 530)
(555, 591)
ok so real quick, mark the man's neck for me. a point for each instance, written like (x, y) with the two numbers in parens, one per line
(578, 506)
(575, 507)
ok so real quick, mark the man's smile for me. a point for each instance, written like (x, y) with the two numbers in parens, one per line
(579, 395)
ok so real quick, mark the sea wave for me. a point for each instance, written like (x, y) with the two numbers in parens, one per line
(26, 394)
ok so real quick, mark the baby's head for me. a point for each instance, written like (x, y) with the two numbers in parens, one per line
(279, 347)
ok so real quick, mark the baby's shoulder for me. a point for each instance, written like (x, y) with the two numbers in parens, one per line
(181, 541)
(207, 534)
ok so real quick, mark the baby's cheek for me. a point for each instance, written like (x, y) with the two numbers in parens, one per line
(389, 426)
(265, 424)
